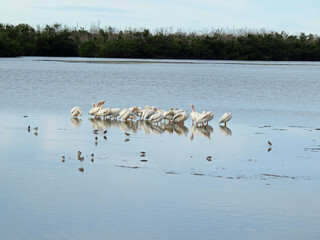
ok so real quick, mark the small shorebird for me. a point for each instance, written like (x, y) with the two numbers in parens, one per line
(29, 128)
(127, 134)
(269, 143)
(96, 138)
(36, 128)
(142, 154)
(105, 131)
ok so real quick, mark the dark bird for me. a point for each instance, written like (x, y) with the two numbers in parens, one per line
(105, 137)
(96, 138)
(92, 160)
(209, 158)
(36, 128)
(269, 143)
(105, 131)
(142, 154)
(127, 134)
(29, 128)
(95, 131)
(81, 169)
(127, 139)
(36, 134)
(92, 155)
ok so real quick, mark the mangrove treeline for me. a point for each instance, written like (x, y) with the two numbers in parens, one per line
(55, 40)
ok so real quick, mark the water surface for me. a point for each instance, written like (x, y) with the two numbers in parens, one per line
(245, 189)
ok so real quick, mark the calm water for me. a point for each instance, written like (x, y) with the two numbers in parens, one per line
(245, 191)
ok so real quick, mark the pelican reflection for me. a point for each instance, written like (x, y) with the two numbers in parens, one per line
(101, 125)
(201, 131)
(226, 131)
(180, 129)
(75, 122)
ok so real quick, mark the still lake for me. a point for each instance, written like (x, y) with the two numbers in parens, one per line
(245, 190)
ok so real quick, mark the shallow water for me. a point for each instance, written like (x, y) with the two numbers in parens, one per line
(245, 190)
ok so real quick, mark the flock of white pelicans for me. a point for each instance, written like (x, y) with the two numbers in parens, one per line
(152, 114)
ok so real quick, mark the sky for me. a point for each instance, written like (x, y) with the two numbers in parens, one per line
(290, 16)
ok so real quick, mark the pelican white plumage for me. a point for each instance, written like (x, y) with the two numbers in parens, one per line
(225, 118)
(76, 112)
(138, 112)
(194, 115)
(210, 117)
(148, 113)
(103, 112)
(181, 117)
(123, 112)
(114, 112)
(176, 111)
(157, 117)
(168, 115)
(127, 113)
(94, 110)
(204, 117)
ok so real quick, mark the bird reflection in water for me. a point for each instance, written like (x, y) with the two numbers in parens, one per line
(100, 125)
(225, 130)
(75, 122)
(201, 131)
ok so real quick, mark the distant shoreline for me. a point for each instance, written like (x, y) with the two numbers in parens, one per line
(174, 61)
(58, 41)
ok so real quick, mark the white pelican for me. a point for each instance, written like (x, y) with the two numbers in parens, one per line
(123, 112)
(204, 117)
(157, 117)
(194, 115)
(225, 118)
(138, 112)
(114, 112)
(176, 111)
(126, 113)
(76, 111)
(148, 113)
(94, 110)
(201, 118)
(181, 117)
(210, 117)
(103, 112)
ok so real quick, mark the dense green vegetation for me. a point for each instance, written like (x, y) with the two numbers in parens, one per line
(24, 40)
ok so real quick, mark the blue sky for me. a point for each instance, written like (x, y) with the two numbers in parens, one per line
(292, 16)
